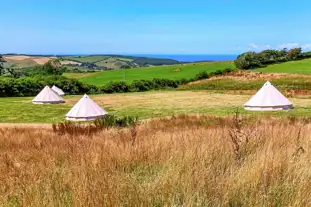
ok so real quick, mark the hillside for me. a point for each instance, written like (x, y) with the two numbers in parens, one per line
(117, 61)
(299, 67)
(90, 62)
(173, 72)
(22, 61)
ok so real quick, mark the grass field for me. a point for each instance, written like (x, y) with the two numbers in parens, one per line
(144, 105)
(180, 161)
(240, 80)
(90, 59)
(173, 72)
(299, 67)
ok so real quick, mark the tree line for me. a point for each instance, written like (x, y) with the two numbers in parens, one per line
(252, 60)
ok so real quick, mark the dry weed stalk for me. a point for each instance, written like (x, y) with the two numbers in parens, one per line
(240, 134)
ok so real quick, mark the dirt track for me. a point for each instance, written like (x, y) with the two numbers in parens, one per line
(26, 125)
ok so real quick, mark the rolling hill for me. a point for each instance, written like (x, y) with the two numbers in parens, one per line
(173, 72)
(89, 62)
(22, 61)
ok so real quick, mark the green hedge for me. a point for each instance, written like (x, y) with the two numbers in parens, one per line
(31, 86)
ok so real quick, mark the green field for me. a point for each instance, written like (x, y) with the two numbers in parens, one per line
(173, 72)
(143, 105)
(84, 59)
(299, 67)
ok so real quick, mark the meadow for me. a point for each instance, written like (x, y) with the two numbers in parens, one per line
(90, 58)
(299, 67)
(177, 161)
(172, 72)
(145, 105)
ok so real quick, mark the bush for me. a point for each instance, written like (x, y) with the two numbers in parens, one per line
(31, 86)
(109, 121)
(202, 75)
(116, 87)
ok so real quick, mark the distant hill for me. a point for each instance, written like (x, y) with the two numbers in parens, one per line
(89, 62)
(172, 72)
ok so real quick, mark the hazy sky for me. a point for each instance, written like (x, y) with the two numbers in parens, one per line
(153, 27)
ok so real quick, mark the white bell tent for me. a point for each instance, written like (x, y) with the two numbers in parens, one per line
(58, 90)
(48, 96)
(268, 98)
(85, 110)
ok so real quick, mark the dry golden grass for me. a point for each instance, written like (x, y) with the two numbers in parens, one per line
(178, 161)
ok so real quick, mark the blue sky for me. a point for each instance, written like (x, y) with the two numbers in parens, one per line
(153, 27)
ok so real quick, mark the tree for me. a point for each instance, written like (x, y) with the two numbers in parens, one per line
(15, 72)
(294, 54)
(53, 67)
(2, 60)
(248, 60)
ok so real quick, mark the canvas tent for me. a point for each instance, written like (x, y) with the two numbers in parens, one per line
(85, 110)
(268, 98)
(48, 96)
(58, 90)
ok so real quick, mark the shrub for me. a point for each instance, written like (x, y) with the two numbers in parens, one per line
(109, 121)
(202, 75)
(116, 87)
(31, 86)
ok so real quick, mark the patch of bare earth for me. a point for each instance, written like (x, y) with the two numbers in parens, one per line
(25, 125)
(41, 60)
(16, 57)
(38, 60)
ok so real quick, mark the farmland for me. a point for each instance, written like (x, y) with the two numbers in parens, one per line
(173, 72)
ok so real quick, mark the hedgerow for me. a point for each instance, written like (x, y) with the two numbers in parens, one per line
(31, 86)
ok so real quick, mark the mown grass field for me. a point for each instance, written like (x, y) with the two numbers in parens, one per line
(144, 105)
(173, 72)
(299, 67)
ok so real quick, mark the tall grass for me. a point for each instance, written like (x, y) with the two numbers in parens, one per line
(177, 161)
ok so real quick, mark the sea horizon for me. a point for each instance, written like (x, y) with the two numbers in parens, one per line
(192, 57)
(178, 57)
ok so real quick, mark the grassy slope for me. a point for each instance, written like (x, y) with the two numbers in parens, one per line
(300, 67)
(112, 62)
(90, 59)
(144, 105)
(174, 72)
(297, 83)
